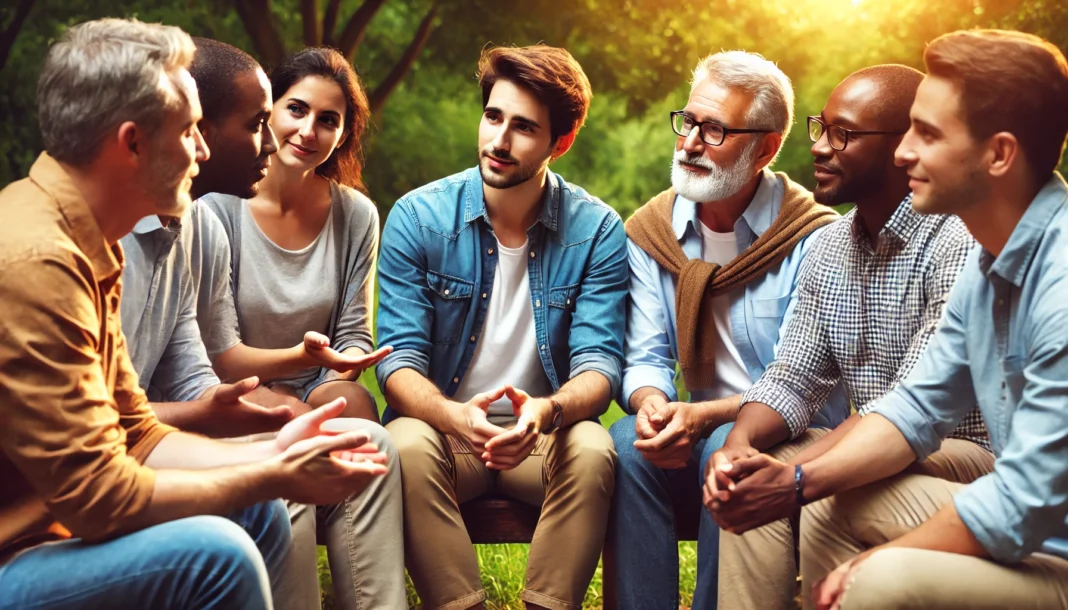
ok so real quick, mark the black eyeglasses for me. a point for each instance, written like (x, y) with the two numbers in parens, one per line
(837, 137)
(711, 132)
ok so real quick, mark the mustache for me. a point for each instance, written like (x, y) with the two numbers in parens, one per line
(503, 155)
(681, 156)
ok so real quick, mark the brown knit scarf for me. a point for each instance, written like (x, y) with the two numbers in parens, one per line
(651, 230)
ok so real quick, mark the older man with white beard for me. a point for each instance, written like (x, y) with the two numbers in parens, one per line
(714, 262)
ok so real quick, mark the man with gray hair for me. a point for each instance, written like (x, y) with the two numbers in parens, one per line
(714, 262)
(126, 502)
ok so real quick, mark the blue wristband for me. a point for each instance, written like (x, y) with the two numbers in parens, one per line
(799, 485)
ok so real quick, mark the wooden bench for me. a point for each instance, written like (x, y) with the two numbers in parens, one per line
(499, 520)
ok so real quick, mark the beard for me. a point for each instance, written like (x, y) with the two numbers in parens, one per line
(510, 176)
(720, 182)
(168, 191)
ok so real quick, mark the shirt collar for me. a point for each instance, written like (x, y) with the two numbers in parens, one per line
(758, 216)
(475, 203)
(1019, 251)
(148, 224)
(901, 224)
(50, 177)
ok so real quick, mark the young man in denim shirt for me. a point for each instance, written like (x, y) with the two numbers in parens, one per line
(502, 294)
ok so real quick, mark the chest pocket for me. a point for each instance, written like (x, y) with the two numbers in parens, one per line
(451, 298)
(771, 308)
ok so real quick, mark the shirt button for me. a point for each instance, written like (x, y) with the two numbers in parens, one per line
(568, 302)
(537, 303)
(446, 291)
(543, 348)
(484, 295)
(456, 380)
(472, 338)
(531, 255)
(490, 251)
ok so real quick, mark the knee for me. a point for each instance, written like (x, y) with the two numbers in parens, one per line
(228, 554)
(623, 436)
(878, 582)
(359, 403)
(588, 452)
(414, 441)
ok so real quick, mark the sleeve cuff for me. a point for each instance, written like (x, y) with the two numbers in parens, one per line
(605, 365)
(783, 402)
(974, 508)
(647, 376)
(401, 359)
(912, 423)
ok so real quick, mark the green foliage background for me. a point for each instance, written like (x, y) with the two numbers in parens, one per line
(637, 53)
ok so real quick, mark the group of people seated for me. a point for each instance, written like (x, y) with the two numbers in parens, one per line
(877, 402)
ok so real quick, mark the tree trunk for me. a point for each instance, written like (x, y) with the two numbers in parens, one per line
(404, 64)
(309, 15)
(11, 32)
(356, 27)
(330, 21)
(257, 17)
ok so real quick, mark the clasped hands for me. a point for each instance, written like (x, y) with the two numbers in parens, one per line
(667, 431)
(745, 489)
(497, 447)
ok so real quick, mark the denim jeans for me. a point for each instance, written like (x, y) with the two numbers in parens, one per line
(643, 525)
(197, 562)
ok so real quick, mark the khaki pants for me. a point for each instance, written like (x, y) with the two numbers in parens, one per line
(570, 474)
(363, 544)
(854, 521)
(757, 569)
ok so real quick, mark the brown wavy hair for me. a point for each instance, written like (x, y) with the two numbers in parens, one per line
(345, 164)
(550, 73)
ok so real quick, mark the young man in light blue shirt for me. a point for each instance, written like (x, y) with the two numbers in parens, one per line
(727, 206)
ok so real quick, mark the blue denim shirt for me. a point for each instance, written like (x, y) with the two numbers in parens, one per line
(436, 268)
(757, 312)
(1003, 344)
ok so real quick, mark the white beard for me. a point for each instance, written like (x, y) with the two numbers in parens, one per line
(720, 183)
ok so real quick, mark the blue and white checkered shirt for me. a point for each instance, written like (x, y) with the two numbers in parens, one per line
(865, 315)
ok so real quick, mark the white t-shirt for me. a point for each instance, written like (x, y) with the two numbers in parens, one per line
(731, 375)
(507, 350)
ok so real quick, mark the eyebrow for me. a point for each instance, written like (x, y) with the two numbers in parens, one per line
(929, 127)
(517, 118)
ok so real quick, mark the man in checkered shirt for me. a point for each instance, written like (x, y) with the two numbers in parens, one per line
(870, 295)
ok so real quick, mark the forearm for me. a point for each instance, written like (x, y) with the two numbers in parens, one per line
(242, 361)
(873, 450)
(759, 426)
(945, 532)
(180, 493)
(192, 452)
(412, 395)
(825, 443)
(186, 416)
(584, 397)
(712, 414)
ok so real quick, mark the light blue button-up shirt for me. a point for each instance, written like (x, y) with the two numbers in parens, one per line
(1003, 343)
(758, 311)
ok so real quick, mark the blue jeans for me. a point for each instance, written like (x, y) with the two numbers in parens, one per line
(642, 529)
(197, 562)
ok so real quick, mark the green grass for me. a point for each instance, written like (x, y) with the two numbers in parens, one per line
(504, 565)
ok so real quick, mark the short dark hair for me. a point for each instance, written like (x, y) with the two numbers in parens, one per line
(897, 85)
(1010, 81)
(215, 67)
(345, 164)
(550, 73)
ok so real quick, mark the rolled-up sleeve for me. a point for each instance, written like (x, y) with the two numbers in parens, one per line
(78, 443)
(405, 309)
(649, 358)
(1016, 508)
(599, 319)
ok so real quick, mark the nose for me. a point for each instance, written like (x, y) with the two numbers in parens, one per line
(501, 141)
(270, 143)
(203, 153)
(905, 154)
(822, 146)
(692, 142)
(307, 130)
